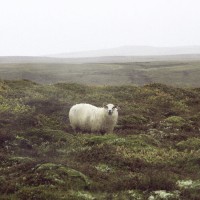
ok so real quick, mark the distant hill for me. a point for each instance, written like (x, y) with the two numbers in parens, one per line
(133, 51)
(101, 59)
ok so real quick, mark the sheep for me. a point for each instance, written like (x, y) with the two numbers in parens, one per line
(89, 118)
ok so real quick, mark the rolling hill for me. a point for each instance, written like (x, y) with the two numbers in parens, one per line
(179, 70)
(133, 51)
(137, 65)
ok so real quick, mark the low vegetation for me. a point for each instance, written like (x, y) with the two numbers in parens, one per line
(152, 154)
(179, 73)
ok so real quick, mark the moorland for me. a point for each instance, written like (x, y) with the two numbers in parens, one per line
(179, 71)
(152, 154)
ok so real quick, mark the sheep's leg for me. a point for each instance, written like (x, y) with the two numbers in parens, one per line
(110, 130)
(103, 132)
(78, 130)
(74, 129)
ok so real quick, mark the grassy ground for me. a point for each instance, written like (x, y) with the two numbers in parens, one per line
(153, 151)
(176, 73)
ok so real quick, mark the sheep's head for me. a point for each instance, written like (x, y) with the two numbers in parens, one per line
(110, 108)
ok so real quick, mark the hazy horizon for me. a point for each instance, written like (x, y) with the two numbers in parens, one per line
(37, 28)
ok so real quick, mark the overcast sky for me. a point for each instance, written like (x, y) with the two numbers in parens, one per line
(42, 27)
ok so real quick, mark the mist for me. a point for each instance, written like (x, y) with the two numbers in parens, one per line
(37, 28)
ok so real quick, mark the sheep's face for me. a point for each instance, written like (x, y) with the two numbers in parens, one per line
(110, 108)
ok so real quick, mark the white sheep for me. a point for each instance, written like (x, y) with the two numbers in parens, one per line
(89, 118)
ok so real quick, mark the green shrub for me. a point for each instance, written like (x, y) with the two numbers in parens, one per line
(189, 144)
(59, 176)
(14, 106)
(175, 121)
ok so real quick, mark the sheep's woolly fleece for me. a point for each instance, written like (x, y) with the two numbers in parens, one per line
(89, 118)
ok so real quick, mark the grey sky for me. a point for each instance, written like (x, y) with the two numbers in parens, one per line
(40, 27)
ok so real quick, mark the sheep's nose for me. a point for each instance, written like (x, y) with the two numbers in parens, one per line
(109, 112)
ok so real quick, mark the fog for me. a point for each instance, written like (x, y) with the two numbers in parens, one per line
(45, 27)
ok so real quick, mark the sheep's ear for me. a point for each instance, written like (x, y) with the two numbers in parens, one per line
(104, 105)
(117, 107)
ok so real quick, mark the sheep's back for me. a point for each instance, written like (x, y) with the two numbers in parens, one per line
(84, 116)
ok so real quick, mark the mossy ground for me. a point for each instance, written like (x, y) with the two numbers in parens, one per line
(155, 145)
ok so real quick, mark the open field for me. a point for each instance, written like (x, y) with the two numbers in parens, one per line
(154, 150)
(184, 73)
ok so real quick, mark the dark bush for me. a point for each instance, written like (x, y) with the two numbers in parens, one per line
(39, 193)
(6, 137)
